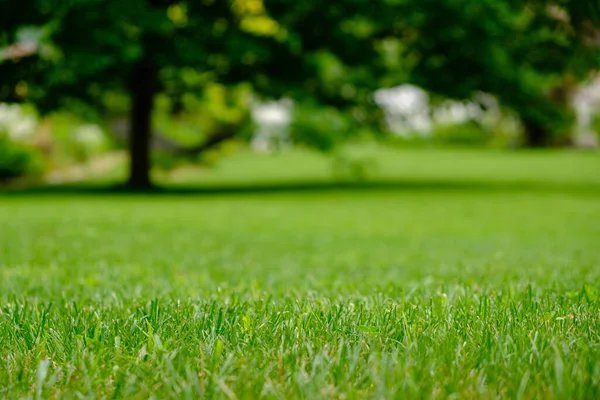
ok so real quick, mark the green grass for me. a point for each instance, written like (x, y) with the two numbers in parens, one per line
(459, 274)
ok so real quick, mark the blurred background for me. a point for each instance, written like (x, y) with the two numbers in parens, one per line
(146, 92)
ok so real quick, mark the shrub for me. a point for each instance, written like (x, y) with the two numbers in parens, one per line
(17, 159)
(319, 127)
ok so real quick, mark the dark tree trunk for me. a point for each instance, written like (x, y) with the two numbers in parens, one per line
(144, 82)
(552, 124)
(536, 135)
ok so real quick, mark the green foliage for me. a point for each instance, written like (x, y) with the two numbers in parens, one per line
(320, 127)
(440, 286)
(518, 51)
(348, 168)
(17, 159)
(75, 141)
(165, 161)
(596, 123)
(193, 118)
(469, 134)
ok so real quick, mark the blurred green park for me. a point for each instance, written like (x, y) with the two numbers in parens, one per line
(281, 199)
(172, 85)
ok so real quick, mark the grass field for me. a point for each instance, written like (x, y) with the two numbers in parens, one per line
(454, 274)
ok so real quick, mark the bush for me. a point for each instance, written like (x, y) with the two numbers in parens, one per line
(320, 127)
(353, 169)
(596, 124)
(17, 160)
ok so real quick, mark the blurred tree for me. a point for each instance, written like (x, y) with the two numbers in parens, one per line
(335, 53)
(144, 47)
(523, 52)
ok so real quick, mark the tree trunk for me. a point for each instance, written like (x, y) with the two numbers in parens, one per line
(535, 134)
(553, 120)
(144, 82)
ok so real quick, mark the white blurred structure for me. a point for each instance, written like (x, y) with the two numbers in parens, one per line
(586, 103)
(16, 123)
(273, 120)
(407, 112)
(406, 109)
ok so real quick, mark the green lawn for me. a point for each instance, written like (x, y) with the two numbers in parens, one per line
(453, 274)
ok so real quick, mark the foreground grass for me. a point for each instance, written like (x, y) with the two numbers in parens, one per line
(401, 291)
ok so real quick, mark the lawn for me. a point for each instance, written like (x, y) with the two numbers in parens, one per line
(451, 274)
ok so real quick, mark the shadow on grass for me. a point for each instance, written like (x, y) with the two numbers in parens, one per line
(299, 187)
